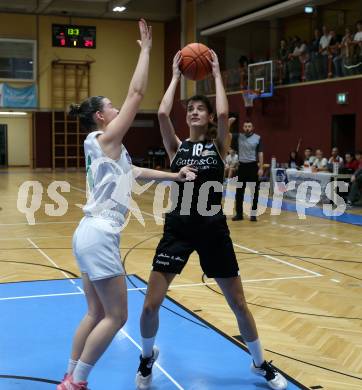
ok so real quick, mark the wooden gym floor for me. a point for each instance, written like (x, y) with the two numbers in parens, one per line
(302, 278)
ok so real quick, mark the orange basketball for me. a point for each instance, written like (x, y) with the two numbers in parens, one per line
(194, 62)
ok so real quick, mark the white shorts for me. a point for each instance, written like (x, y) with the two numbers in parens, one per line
(96, 249)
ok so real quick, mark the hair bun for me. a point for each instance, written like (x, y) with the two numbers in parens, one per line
(74, 109)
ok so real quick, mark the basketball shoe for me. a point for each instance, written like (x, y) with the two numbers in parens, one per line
(144, 372)
(274, 379)
(68, 384)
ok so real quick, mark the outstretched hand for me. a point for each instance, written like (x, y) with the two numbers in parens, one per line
(146, 35)
(214, 62)
(176, 65)
(187, 173)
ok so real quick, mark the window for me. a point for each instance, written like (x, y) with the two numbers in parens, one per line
(17, 60)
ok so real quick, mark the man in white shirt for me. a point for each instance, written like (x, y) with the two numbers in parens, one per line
(308, 158)
(320, 163)
(358, 35)
(335, 158)
(357, 40)
(323, 49)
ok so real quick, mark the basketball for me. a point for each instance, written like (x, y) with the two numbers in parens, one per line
(194, 62)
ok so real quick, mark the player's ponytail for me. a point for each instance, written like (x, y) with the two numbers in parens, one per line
(86, 110)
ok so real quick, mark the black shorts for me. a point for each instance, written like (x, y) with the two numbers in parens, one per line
(208, 236)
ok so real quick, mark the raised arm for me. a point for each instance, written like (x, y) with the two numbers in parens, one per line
(170, 139)
(222, 108)
(119, 126)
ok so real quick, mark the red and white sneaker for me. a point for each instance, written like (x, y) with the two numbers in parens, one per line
(68, 384)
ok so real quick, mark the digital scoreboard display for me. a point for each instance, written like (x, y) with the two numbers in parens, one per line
(66, 35)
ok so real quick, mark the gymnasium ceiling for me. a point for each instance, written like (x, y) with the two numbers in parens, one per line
(157, 10)
(209, 12)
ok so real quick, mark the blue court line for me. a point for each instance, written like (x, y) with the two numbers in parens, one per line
(39, 332)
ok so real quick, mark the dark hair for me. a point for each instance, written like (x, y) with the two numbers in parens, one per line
(85, 111)
(203, 99)
(308, 149)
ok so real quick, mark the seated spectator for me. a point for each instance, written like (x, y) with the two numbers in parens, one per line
(359, 158)
(335, 158)
(294, 160)
(231, 164)
(308, 158)
(320, 163)
(350, 164)
(354, 194)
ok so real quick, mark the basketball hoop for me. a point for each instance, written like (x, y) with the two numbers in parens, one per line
(249, 95)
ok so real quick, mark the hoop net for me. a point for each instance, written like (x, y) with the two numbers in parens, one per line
(249, 95)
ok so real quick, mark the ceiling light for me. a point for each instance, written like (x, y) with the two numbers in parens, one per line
(13, 113)
(308, 9)
(119, 9)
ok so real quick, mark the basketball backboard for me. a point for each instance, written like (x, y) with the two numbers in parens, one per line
(260, 78)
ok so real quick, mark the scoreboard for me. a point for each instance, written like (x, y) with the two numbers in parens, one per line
(67, 35)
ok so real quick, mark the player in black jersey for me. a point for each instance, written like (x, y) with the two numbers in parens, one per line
(197, 223)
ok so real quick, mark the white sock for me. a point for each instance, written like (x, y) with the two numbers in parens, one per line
(256, 351)
(81, 372)
(71, 366)
(147, 346)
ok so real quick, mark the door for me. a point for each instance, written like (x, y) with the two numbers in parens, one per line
(344, 133)
(3, 145)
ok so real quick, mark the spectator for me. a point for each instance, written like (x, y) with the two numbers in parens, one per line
(355, 188)
(320, 163)
(358, 41)
(344, 56)
(294, 160)
(300, 52)
(231, 164)
(351, 164)
(334, 44)
(243, 71)
(323, 50)
(308, 158)
(359, 158)
(283, 55)
(315, 68)
(335, 158)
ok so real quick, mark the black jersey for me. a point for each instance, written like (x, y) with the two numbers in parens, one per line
(205, 157)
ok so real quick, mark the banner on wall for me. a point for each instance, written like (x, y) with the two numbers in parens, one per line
(13, 97)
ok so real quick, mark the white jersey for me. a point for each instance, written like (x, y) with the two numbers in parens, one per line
(109, 182)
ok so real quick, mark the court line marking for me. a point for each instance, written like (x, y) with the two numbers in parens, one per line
(269, 257)
(156, 364)
(273, 223)
(320, 235)
(59, 238)
(187, 285)
(58, 222)
(39, 296)
(52, 262)
(82, 292)
(279, 260)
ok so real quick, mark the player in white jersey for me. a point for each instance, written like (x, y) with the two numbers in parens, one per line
(97, 238)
